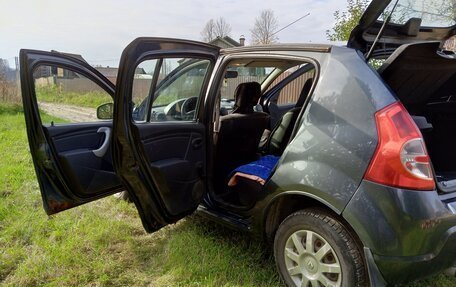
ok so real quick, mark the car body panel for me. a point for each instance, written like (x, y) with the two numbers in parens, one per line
(336, 136)
(68, 172)
(413, 230)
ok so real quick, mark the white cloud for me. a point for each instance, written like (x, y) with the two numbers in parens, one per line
(99, 30)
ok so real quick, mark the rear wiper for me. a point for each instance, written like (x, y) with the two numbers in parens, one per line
(380, 33)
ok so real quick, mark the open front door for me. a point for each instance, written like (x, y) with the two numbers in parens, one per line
(70, 146)
(159, 135)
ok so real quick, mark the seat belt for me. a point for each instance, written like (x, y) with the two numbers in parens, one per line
(216, 123)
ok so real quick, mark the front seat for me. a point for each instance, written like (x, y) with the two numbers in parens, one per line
(240, 131)
(280, 135)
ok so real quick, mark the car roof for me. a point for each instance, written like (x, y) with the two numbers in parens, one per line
(307, 47)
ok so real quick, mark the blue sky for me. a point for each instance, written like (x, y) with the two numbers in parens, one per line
(100, 29)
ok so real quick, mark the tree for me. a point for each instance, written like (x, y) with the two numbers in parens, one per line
(8, 91)
(208, 32)
(4, 67)
(346, 21)
(215, 28)
(4, 70)
(264, 29)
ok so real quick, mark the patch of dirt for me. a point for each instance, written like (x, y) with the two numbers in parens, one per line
(71, 113)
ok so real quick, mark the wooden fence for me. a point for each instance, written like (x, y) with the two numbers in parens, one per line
(289, 94)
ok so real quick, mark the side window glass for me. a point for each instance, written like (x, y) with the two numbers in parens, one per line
(142, 87)
(174, 90)
(290, 94)
(65, 96)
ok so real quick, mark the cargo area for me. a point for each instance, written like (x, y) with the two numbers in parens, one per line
(424, 79)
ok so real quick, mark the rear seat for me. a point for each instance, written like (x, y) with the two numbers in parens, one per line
(259, 171)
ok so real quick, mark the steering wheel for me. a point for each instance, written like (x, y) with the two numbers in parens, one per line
(188, 108)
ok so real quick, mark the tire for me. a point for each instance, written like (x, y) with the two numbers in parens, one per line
(332, 259)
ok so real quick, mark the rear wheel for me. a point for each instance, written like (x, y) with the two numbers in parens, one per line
(313, 248)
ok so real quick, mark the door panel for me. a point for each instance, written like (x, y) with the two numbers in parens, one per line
(176, 155)
(70, 167)
(159, 147)
(87, 172)
(69, 137)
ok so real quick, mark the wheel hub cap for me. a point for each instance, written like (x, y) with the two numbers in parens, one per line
(311, 265)
(311, 261)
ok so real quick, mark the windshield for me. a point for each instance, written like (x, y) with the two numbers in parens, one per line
(433, 13)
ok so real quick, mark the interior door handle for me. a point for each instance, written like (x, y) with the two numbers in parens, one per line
(197, 143)
(101, 151)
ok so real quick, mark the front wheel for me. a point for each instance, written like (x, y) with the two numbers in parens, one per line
(313, 248)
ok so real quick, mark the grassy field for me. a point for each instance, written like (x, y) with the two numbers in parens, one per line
(103, 243)
(52, 94)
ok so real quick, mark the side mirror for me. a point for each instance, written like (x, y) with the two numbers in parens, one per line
(105, 111)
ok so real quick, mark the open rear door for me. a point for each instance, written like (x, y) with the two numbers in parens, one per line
(159, 135)
(70, 146)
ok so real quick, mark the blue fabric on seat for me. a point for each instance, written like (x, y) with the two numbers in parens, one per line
(261, 168)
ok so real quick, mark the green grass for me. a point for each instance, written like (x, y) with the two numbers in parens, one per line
(103, 243)
(52, 94)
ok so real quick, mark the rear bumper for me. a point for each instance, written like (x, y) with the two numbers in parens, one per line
(405, 269)
(410, 234)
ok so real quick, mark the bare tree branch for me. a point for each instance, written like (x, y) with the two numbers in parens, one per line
(265, 26)
(222, 28)
(208, 31)
(215, 28)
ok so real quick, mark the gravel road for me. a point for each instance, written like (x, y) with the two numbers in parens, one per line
(69, 112)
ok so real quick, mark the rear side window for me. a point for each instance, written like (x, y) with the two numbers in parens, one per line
(291, 92)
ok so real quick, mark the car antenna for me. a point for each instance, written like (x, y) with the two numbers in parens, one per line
(380, 33)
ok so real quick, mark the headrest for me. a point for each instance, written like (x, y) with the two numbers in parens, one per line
(246, 97)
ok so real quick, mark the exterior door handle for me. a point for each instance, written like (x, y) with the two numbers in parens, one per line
(101, 151)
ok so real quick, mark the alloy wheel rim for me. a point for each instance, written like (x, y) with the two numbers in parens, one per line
(311, 261)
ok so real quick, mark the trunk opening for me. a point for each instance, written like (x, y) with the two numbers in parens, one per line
(425, 82)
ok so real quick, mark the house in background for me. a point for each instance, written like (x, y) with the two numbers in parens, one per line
(228, 42)
(111, 73)
(48, 71)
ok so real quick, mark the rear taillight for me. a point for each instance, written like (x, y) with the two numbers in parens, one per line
(401, 159)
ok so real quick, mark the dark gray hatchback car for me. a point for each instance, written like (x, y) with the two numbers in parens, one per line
(349, 172)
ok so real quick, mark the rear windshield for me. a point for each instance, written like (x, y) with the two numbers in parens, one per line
(433, 13)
